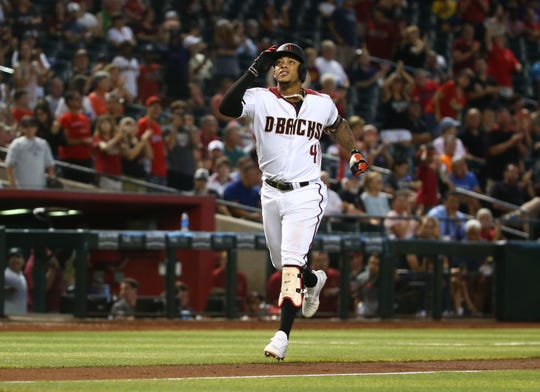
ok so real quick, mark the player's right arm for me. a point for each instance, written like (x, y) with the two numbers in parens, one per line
(231, 104)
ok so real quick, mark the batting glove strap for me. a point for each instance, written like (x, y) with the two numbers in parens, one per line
(357, 163)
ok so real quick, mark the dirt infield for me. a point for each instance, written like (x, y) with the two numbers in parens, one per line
(272, 367)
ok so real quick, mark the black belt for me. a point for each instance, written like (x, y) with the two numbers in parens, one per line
(285, 186)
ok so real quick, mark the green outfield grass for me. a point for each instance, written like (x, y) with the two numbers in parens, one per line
(122, 348)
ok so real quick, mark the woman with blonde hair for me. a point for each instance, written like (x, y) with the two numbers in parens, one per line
(107, 148)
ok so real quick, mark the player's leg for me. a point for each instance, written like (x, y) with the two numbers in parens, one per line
(301, 219)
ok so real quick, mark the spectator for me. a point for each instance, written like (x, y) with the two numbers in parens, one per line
(215, 152)
(100, 84)
(327, 63)
(54, 93)
(501, 63)
(201, 67)
(124, 307)
(232, 143)
(416, 124)
(147, 30)
(490, 229)
(108, 147)
(428, 229)
(184, 309)
(54, 279)
(21, 106)
(45, 120)
(473, 137)
(183, 154)
(219, 280)
(504, 146)
(364, 78)
(226, 44)
(28, 158)
(425, 87)
(200, 183)
(245, 191)
(208, 132)
(344, 28)
(119, 32)
(377, 152)
(464, 276)
(128, 66)
(382, 35)
(448, 127)
(412, 50)
(474, 12)
(223, 86)
(400, 180)
(510, 189)
(461, 177)
(150, 74)
(15, 286)
(448, 155)
(465, 49)
(367, 295)
(427, 196)
(329, 297)
(398, 222)
(451, 220)
(115, 106)
(76, 128)
(330, 87)
(79, 84)
(450, 98)
(176, 68)
(335, 204)
(313, 74)
(117, 83)
(375, 201)
(221, 177)
(158, 170)
(482, 92)
(25, 17)
(137, 152)
(272, 22)
(350, 194)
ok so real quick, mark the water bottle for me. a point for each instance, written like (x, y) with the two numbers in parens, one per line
(184, 222)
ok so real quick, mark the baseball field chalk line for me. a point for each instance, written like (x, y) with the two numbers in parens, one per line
(260, 376)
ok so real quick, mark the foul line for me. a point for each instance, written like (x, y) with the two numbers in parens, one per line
(258, 376)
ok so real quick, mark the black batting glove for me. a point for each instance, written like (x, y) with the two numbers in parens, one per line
(263, 62)
(357, 163)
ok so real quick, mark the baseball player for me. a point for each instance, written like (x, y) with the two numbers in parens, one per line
(287, 123)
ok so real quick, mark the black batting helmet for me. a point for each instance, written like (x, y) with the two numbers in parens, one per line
(296, 52)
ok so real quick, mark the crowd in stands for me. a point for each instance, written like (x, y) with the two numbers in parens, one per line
(441, 94)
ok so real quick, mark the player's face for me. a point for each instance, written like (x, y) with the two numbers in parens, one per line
(286, 69)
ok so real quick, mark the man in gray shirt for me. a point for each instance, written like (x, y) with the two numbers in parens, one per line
(15, 287)
(28, 158)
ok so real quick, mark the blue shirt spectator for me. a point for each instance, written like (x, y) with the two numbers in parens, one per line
(451, 220)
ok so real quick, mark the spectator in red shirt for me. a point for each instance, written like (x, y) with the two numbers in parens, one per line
(219, 278)
(450, 98)
(21, 106)
(76, 128)
(99, 86)
(501, 63)
(427, 196)
(158, 171)
(208, 131)
(149, 74)
(382, 35)
(474, 12)
(424, 88)
(465, 50)
(107, 148)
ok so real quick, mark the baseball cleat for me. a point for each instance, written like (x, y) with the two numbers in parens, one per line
(277, 348)
(311, 296)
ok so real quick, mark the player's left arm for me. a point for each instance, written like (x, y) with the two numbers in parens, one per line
(342, 133)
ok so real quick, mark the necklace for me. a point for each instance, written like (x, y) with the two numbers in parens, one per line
(293, 96)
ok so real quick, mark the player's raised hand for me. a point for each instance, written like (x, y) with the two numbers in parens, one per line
(263, 62)
(357, 163)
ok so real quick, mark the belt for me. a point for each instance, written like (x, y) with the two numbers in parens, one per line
(286, 186)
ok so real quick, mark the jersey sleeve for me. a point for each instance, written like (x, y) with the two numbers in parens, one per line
(248, 103)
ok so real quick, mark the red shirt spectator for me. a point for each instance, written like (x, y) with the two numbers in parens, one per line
(382, 36)
(501, 62)
(18, 113)
(159, 165)
(450, 98)
(424, 88)
(473, 11)
(149, 75)
(106, 147)
(427, 195)
(76, 128)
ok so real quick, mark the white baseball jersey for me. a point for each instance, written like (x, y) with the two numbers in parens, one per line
(288, 150)
(288, 145)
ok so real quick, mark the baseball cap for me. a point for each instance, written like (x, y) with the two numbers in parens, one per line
(216, 144)
(191, 40)
(201, 174)
(73, 7)
(448, 122)
(15, 252)
(171, 14)
(152, 100)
